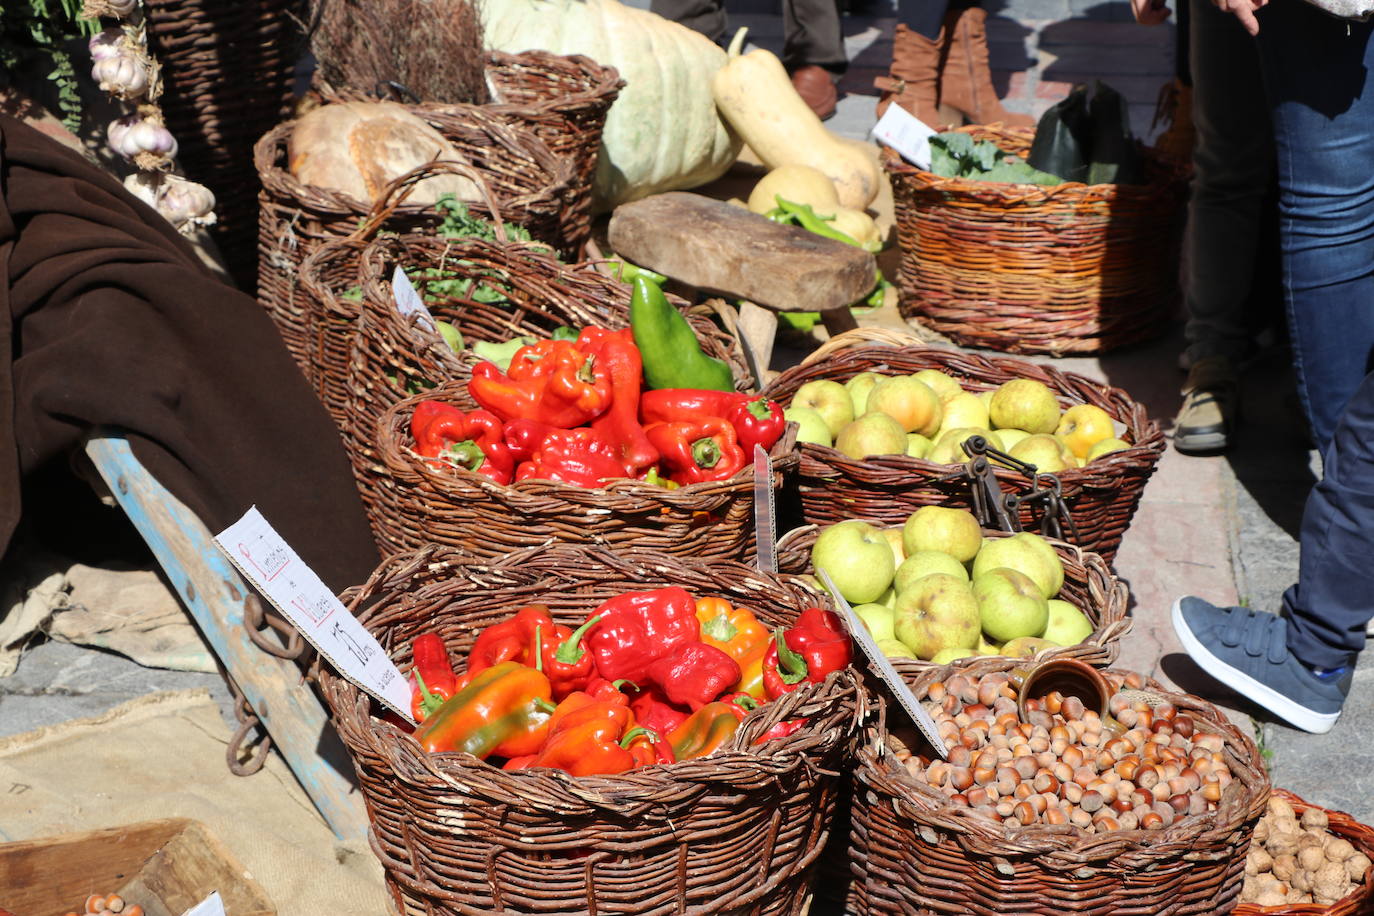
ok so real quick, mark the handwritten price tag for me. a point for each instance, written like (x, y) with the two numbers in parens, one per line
(905, 133)
(294, 589)
(408, 301)
(210, 906)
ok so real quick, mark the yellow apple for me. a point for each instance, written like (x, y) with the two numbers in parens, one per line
(943, 385)
(986, 397)
(859, 387)
(923, 563)
(964, 410)
(1027, 553)
(1010, 436)
(811, 426)
(987, 647)
(949, 448)
(1082, 426)
(1025, 647)
(1047, 453)
(894, 539)
(937, 612)
(940, 528)
(894, 648)
(911, 403)
(1067, 625)
(830, 400)
(872, 434)
(945, 656)
(1025, 404)
(1106, 447)
(917, 445)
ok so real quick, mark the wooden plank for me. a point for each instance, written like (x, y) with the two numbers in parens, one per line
(214, 593)
(758, 329)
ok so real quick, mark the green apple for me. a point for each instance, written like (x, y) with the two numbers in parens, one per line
(858, 559)
(943, 385)
(894, 648)
(911, 403)
(949, 448)
(1025, 404)
(889, 598)
(1025, 647)
(1010, 604)
(451, 335)
(894, 540)
(1010, 436)
(1047, 453)
(964, 410)
(923, 563)
(1026, 553)
(1106, 447)
(830, 400)
(859, 387)
(811, 426)
(1067, 626)
(872, 434)
(917, 445)
(988, 647)
(937, 612)
(878, 618)
(986, 398)
(952, 531)
(945, 656)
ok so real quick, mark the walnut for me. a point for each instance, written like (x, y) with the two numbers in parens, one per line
(1271, 898)
(1297, 896)
(1310, 858)
(1331, 881)
(1338, 850)
(1314, 817)
(1356, 866)
(1280, 809)
(1284, 866)
(1302, 881)
(1282, 842)
(1258, 861)
(1262, 830)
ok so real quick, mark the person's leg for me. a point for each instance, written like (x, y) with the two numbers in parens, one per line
(812, 36)
(1317, 79)
(704, 16)
(1332, 602)
(924, 17)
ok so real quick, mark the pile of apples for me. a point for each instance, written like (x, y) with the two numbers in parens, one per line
(935, 589)
(929, 415)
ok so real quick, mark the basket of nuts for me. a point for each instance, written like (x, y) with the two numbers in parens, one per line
(1307, 861)
(1048, 805)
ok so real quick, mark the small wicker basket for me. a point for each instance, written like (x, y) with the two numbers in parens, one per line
(1088, 585)
(912, 852)
(737, 832)
(526, 180)
(1020, 268)
(1101, 497)
(1360, 901)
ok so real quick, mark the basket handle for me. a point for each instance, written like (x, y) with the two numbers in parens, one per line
(863, 335)
(401, 187)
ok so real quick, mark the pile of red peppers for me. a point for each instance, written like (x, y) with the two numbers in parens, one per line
(576, 411)
(648, 678)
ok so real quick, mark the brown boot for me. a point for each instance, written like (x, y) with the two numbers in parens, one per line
(966, 80)
(914, 78)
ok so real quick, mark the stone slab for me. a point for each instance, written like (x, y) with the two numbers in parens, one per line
(726, 250)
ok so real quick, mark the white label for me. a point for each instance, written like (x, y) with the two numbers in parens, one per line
(905, 133)
(883, 668)
(210, 906)
(765, 513)
(408, 301)
(274, 568)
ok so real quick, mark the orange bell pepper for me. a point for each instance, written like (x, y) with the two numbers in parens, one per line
(504, 711)
(705, 730)
(737, 633)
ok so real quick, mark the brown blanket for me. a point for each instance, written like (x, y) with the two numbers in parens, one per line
(113, 322)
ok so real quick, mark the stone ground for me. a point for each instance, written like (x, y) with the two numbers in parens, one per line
(1221, 527)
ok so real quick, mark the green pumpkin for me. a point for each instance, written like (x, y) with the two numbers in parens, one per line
(663, 132)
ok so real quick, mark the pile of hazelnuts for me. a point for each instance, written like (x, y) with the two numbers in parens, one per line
(1144, 767)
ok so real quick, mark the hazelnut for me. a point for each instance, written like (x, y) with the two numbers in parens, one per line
(1128, 820)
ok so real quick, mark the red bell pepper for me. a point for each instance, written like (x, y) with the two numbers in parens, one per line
(694, 674)
(589, 737)
(755, 419)
(781, 730)
(524, 437)
(653, 710)
(566, 661)
(512, 640)
(434, 679)
(756, 422)
(815, 646)
(648, 747)
(616, 352)
(639, 628)
(450, 437)
(550, 381)
(697, 450)
(581, 457)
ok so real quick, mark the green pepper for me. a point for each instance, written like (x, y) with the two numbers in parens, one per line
(500, 353)
(628, 273)
(671, 353)
(809, 220)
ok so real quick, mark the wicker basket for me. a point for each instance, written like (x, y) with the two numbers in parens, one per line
(418, 504)
(543, 294)
(1088, 585)
(1020, 268)
(526, 180)
(914, 853)
(1359, 902)
(738, 832)
(1102, 497)
(227, 74)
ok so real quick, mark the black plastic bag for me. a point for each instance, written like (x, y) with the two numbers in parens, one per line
(1063, 138)
(1114, 158)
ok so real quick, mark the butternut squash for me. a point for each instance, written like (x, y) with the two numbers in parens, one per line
(800, 184)
(756, 98)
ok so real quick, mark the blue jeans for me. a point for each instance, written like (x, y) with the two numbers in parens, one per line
(1317, 78)
(1331, 603)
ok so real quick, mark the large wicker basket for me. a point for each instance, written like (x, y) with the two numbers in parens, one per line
(543, 294)
(418, 504)
(912, 852)
(1072, 268)
(1088, 585)
(737, 832)
(527, 181)
(1360, 901)
(1101, 497)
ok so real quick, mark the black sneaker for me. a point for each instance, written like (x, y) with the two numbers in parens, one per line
(1248, 651)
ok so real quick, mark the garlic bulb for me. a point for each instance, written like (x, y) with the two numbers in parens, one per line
(186, 202)
(144, 186)
(105, 44)
(121, 74)
(133, 137)
(117, 9)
